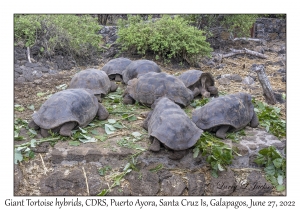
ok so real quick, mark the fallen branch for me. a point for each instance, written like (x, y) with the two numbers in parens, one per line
(45, 169)
(243, 51)
(264, 81)
(28, 54)
(250, 39)
(86, 182)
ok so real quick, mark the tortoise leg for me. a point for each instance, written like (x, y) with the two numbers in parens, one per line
(102, 112)
(118, 78)
(45, 133)
(145, 123)
(113, 86)
(213, 90)
(254, 121)
(177, 155)
(66, 129)
(155, 146)
(204, 92)
(128, 99)
(221, 132)
(196, 92)
(33, 125)
(98, 96)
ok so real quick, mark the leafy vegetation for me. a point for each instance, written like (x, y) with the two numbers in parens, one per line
(275, 166)
(217, 153)
(71, 34)
(270, 118)
(167, 38)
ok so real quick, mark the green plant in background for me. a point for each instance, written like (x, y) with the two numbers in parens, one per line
(217, 153)
(275, 166)
(74, 35)
(199, 102)
(167, 37)
(269, 117)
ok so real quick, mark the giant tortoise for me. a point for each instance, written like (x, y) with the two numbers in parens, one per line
(95, 80)
(115, 67)
(168, 124)
(150, 86)
(66, 110)
(199, 82)
(139, 67)
(227, 113)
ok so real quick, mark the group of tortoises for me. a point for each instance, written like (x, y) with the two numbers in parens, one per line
(166, 94)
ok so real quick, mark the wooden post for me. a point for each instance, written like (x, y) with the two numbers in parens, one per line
(264, 81)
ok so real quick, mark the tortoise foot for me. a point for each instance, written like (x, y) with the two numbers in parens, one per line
(177, 155)
(155, 146)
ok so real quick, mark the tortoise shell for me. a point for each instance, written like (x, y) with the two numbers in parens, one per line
(93, 79)
(192, 78)
(235, 110)
(150, 86)
(171, 125)
(139, 67)
(116, 66)
(77, 105)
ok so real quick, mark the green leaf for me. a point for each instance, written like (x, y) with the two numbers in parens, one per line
(74, 143)
(87, 139)
(214, 174)
(31, 107)
(196, 152)
(136, 134)
(32, 143)
(82, 130)
(270, 170)
(109, 129)
(280, 179)
(40, 94)
(95, 132)
(101, 138)
(32, 132)
(280, 187)
(278, 162)
(19, 108)
(111, 121)
(118, 125)
(18, 156)
(132, 118)
(103, 192)
(220, 167)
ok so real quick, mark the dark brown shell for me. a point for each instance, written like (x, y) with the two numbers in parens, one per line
(93, 79)
(171, 126)
(139, 67)
(192, 77)
(235, 110)
(148, 87)
(77, 105)
(116, 66)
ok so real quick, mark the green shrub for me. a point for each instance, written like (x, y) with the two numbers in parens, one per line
(167, 38)
(75, 35)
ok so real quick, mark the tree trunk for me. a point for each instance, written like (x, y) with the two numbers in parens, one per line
(264, 81)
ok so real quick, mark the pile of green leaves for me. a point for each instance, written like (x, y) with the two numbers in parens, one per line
(270, 118)
(74, 35)
(275, 166)
(167, 38)
(217, 153)
(199, 102)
